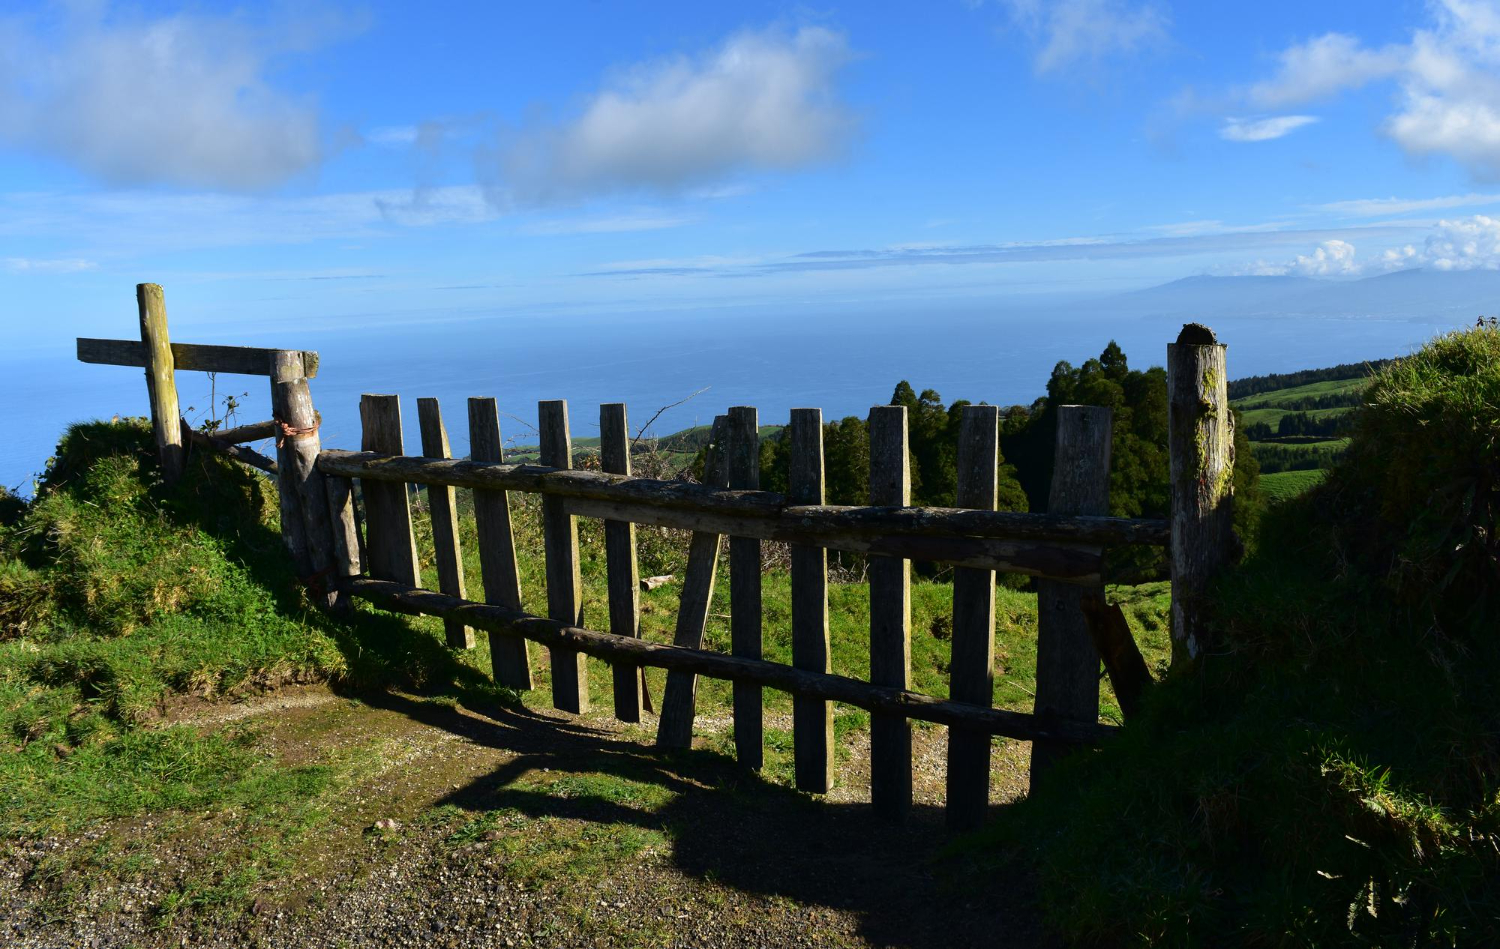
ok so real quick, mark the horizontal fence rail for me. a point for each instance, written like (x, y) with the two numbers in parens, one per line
(1045, 545)
(402, 598)
(235, 360)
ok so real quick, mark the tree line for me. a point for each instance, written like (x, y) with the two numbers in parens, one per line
(1252, 385)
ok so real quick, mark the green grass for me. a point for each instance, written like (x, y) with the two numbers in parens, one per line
(1272, 415)
(1285, 485)
(1312, 390)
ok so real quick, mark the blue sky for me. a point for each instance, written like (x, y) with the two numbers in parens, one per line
(330, 164)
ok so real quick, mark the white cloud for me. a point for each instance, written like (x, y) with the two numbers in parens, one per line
(1376, 207)
(57, 266)
(1323, 67)
(392, 135)
(1467, 244)
(762, 100)
(180, 99)
(1263, 130)
(1448, 77)
(616, 224)
(1331, 258)
(1069, 32)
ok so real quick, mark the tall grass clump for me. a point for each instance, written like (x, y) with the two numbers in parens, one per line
(1332, 775)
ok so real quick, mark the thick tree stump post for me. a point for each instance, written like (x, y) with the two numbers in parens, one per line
(890, 618)
(744, 589)
(1067, 664)
(161, 381)
(812, 718)
(1200, 438)
(570, 677)
(971, 669)
(306, 522)
(622, 569)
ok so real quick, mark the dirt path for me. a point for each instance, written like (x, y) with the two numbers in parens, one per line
(522, 827)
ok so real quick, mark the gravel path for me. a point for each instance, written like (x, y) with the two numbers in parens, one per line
(727, 860)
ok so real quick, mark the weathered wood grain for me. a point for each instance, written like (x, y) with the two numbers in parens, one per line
(750, 507)
(1067, 665)
(246, 456)
(745, 589)
(391, 545)
(510, 656)
(555, 634)
(890, 618)
(623, 573)
(570, 684)
(443, 507)
(972, 665)
(240, 434)
(347, 544)
(161, 382)
(305, 521)
(1200, 446)
(188, 357)
(679, 698)
(812, 717)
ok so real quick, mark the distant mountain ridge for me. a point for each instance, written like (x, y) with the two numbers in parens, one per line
(1402, 294)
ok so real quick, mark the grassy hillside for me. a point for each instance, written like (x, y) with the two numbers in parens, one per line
(1290, 463)
(1331, 778)
(124, 603)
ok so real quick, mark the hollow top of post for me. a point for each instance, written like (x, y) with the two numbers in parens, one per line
(1196, 334)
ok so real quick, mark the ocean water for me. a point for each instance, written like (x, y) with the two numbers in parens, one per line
(842, 361)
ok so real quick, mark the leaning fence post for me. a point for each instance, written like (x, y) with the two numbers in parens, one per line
(812, 718)
(442, 505)
(161, 383)
(971, 675)
(1200, 437)
(510, 656)
(620, 563)
(890, 618)
(305, 518)
(1067, 664)
(570, 677)
(744, 589)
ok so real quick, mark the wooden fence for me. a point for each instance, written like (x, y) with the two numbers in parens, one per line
(1063, 549)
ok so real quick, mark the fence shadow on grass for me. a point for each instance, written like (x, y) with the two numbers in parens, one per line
(742, 831)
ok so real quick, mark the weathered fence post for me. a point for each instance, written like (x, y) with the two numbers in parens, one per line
(812, 718)
(570, 676)
(890, 618)
(1067, 664)
(443, 508)
(971, 670)
(744, 588)
(510, 656)
(390, 542)
(620, 563)
(347, 543)
(305, 518)
(1200, 437)
(679, 698)
(161, 382)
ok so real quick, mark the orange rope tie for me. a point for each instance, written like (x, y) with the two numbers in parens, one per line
(293, 431)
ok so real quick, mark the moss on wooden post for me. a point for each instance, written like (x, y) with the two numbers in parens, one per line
(1201, 447)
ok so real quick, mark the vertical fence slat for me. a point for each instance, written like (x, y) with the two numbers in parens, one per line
(392, 546)
(744, 588)
(161, 381)
(442, 505)
(890, 618)
(972, 667)
(1200, 445)
(347, 544)
(812, 718)
(304, 496)
(570, 683)
(510, 656)
(678, 699)
(621, 566)
(1067, 664)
